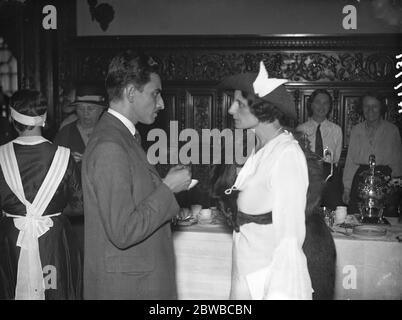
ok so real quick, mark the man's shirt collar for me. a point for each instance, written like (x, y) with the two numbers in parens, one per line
(130, 126)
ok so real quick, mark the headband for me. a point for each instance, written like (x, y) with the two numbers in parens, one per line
(28, 120)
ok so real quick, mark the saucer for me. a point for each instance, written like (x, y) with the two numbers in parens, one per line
(204, 221)
(369, 231)
(188, 222)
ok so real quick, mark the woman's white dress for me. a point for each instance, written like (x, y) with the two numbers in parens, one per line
(268, 260)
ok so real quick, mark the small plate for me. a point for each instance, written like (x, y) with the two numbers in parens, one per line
(209, 224)
(192, 184)
(204, 221)
(369, 231)
(186, 223)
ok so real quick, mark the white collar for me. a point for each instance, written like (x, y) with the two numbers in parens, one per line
(130, 126)
(322, 123)
(30, 140)
(251, 164)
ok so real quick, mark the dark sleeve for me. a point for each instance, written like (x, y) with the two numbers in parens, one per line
(61, 138)
(74, 188)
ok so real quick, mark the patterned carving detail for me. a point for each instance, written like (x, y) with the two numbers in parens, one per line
(335, 109)
(301, 67)
(361, 42)
(202, 112)
(353, 117)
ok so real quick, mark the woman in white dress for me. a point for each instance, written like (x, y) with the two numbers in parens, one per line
(268, 259)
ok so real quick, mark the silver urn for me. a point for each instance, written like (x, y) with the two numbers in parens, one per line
(372, 191)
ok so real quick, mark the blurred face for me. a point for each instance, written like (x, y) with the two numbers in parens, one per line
(88, 114)
(148, 101)
(240, 111)
(320, 106)
(371, 109)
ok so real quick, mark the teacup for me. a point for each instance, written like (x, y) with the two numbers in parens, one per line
(205, 214)
(214, 212)
(340, 214)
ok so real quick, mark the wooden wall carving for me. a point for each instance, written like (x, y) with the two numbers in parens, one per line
(206, 64)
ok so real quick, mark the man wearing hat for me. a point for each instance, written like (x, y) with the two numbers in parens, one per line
(89, 104)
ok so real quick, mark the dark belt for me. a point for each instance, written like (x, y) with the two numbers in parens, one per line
(243, 218)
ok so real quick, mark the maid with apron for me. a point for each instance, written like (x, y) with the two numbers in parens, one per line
(39, 256)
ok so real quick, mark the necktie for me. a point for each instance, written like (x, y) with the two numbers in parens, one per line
(319, 149)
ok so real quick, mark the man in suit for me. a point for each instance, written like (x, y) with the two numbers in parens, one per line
(127, 206)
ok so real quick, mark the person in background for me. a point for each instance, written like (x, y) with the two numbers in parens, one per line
(37, 181)
(68, 107)
(324, 134)
(89, 104)
(372, 136)
(268, 260)
(128, 207)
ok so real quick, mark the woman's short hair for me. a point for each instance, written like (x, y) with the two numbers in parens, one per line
(263, 110)
(128, 67)
(373, 94)
(313, 96)
(30, 103)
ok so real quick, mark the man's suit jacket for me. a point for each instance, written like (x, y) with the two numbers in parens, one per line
(128, 241)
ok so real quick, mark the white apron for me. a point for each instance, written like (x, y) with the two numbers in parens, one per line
(30, 283)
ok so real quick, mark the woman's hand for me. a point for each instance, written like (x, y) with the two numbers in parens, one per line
(77, 156)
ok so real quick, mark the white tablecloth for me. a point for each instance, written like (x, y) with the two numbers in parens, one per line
(366, 269)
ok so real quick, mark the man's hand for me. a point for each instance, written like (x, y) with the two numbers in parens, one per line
(178, 178)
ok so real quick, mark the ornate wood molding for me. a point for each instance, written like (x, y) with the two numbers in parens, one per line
(272, 42)
(212, 58)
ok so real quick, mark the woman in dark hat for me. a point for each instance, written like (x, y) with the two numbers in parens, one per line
(268, 259)
(267, 202)
(39, 256)
(89, 105)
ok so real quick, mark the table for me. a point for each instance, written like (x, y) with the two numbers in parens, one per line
(365, 269)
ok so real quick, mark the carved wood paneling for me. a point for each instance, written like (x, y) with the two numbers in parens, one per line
(295, 66)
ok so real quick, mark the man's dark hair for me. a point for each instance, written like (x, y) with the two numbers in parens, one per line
(312, 97)
(30, 103)
(128, 67)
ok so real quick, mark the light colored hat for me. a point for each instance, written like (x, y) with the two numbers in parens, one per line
(89, 93)
(268, 89)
